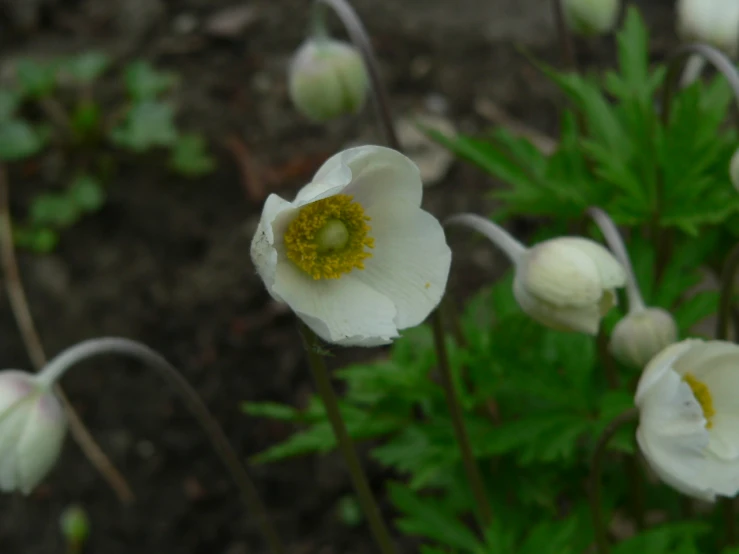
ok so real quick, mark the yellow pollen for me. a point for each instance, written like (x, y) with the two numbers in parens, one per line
(703, 396)
(328, 237)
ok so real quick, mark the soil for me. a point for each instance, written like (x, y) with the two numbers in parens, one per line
(167, 259)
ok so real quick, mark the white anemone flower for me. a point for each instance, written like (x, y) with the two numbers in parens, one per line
(32, 430)
(354, 255)
(688, 401)
(715, 22)
(566, 283)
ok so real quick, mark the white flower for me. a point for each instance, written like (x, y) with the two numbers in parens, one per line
(354, 255)
(591, 17)
(641, 334)
(32, 430)
(715, 22)
(327, 78)
(688, 400)
(565, 283)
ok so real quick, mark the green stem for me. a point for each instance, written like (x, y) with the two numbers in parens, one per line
(729, 509)
(596, 471)
(484, 512)
(566, 44)
(727, 289)
(636, 482)
(346, 445)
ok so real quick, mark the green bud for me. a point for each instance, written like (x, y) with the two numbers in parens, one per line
(591, 17)
(75, 525)
(327, 78)
(642, 334)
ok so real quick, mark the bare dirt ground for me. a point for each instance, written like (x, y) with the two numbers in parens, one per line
(167, 260)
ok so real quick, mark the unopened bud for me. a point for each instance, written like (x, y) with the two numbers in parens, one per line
(327, 78)
(75, 526)
(734, 170)
(32, 430)
(591, 17)
(714, 22)
(642, 334)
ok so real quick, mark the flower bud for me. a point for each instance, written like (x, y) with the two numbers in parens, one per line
(568, 283)
(591, 17)
(734, 170)
(714, 22)
(327, 78)
(639, 336)
(32, 430)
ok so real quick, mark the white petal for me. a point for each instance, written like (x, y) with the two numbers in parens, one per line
(584, 319)
(342, 311)
(561, 274)
(41, 443)
(376, 175)
(659, 366)
(12, 425)
(263, 253)
(701, 356)
(612, 273)
(410, 261)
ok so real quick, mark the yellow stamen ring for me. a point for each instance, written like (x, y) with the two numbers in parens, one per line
(328, 237)
(703, 396)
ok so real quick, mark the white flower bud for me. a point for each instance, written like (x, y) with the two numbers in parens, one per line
(591, 17)
(327, 78)
(714, 22)
(639, 336)
(32, 430)
(734, 170)
(568, 283)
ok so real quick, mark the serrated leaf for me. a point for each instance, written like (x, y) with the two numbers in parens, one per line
(190, 156)
(144, 82)
(147, 125)
(663, 539)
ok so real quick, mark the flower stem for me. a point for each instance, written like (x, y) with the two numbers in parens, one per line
(359, 37)
(32, 342)
(566, 44)
(727, 290)
(712, 55)
(113, 345)
(364, 494)
(596, 470)
(502, 238)
(729, 509)
(484, 512)
(616, 244)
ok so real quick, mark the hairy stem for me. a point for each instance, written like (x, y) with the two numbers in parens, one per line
(32, 342)
(484, 512)
(596, 471)
(365, 496)
(85, 350)
(359, 37)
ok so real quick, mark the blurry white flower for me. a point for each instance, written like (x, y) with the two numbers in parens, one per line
(641, 334)
(32, 430)
(327, 78)
(354, 255)
(688, 404)
(714, 22)
(591, 17)
(565, 283)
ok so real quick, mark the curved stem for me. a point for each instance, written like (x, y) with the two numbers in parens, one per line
(345, 443)
(715, 57)
(114, 345)
(32, 342)
(360, 39)
(502, 238)
(596, 470)
(616, 244)
(727, 289)
(566, 44)
(484, 512)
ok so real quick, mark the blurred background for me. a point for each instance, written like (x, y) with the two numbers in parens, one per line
(165, 258)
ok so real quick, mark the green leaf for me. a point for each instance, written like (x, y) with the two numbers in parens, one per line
(36, 79)
(19, 140)
(40, 240)
(87, 193)
(146, 83)
(53, 210)
(664, 539)
(190, 156)
(272, 410)
(86, 119)
(9, 102)
(424, 517)
(87, 67)
(147, 125)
